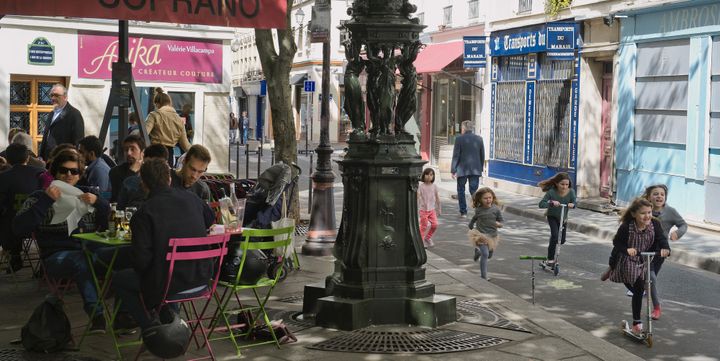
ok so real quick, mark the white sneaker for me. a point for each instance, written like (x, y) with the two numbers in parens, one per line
(630, 293)
(430, 242)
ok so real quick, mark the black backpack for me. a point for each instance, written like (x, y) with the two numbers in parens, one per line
(48, 329)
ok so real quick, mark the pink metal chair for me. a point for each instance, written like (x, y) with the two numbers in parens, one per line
(185, 250)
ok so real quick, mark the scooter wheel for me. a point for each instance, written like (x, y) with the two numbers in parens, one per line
(556, 270)
(649, 341)
(279, 267)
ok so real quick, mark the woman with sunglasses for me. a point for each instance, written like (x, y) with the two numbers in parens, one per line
(62, 255)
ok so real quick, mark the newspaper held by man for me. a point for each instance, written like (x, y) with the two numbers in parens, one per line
(69, 207)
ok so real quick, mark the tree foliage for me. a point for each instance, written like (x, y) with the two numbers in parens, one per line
(554, 7)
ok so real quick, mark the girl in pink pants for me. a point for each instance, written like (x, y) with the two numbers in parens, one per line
(429, 206)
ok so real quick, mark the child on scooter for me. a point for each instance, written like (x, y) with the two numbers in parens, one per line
(483, 226)
(669, 218)
(557, 191)
(429, 206)
(638, 232)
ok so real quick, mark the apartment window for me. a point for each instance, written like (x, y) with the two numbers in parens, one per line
(472, 9)
(524, 6)
(421, 18)
(447, 16)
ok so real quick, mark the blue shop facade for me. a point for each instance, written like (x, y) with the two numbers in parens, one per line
(534, 102)
(668, 129)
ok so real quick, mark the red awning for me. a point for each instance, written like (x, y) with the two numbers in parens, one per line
(435, 57)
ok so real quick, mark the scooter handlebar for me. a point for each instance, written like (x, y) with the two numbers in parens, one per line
(541, 258)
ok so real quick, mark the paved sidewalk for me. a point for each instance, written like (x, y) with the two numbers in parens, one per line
(516, 329)
(698, 248)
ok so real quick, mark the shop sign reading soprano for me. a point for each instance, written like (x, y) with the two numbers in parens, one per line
(259, 14)
(153, 59)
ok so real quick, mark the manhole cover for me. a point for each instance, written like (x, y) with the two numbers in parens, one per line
(298, 299)
(473, 311)
(11, 354)
(424, 341)
(291, 318)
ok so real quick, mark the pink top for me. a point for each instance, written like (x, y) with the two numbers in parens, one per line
(428, 197)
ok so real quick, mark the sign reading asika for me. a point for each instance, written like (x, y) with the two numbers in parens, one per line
(259, 14)
(559, 40)
(40, 52)
(474, 54)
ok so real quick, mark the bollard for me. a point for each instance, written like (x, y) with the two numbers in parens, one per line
(272, 156)
(310, 189)
(247, 161)
(229, 157)
(259, 160)
(237, 161)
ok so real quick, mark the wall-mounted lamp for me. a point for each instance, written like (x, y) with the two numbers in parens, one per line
(299, 17)
(609, 19)
(235, 43)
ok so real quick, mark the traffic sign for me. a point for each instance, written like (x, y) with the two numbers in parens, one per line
(309, 86)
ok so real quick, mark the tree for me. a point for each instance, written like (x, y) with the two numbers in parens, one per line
(276, 61)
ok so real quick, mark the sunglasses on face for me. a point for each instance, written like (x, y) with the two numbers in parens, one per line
(73, 171)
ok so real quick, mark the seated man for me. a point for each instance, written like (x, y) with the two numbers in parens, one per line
(62, 255)
(131, 194)
(15, 184)
(167, 213)
(97, 173)
(133, 147)
(194, 166)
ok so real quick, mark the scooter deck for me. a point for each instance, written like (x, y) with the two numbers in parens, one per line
(643, 337)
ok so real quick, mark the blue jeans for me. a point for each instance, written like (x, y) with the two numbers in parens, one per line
(73, 264)
(473, 181)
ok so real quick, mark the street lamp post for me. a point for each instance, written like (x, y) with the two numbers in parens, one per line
(321, 232)
(379, 276)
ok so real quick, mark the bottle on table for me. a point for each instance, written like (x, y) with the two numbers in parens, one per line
(112, 226)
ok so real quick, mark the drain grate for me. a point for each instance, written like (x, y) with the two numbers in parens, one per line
(12, 354)
(297, 299)
(301, 229)
(293, 319)
(475, 312)
(418, 341)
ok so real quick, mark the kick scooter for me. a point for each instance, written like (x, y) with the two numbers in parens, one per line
(532, 271)
(647, 335)
(555, 266)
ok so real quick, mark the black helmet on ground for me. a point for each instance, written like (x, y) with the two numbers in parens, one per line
(169, 336)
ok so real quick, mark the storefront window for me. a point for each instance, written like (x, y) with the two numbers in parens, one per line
(551, 143)
(453, 103)
(509, 102)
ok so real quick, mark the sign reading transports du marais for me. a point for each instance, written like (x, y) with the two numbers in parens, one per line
(179, 60)
(557, 39)
(260, 14)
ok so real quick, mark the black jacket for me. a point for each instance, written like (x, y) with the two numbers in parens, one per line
(68, 128)
(36, 214)
(620, 241)
(20, 181)
(168, 213)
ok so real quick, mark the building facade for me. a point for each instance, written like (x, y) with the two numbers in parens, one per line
(669, 105)
(189, 62)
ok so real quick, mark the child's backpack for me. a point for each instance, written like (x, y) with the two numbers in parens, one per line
(48, 329)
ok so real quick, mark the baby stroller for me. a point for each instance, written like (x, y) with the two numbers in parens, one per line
(268, 202)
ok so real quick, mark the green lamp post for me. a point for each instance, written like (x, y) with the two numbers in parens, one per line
(379, 276)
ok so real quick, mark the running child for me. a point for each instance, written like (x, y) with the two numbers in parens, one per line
(557, 191)
(638, 232)
(669, 218)
(429, 206)
(483, 226)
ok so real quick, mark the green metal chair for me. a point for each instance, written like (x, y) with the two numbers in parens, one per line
(279, 238)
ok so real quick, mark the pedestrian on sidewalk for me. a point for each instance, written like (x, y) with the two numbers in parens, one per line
(638, 232)
(429, 204)
(467, 163)
(483, 226)
(669, 218)
(233, 128)
(557, 191)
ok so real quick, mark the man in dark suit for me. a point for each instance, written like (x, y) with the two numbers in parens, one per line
(66, 123)
(467, 163)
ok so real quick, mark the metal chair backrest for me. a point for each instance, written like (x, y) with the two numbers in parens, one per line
(286, 234)
(215, 248)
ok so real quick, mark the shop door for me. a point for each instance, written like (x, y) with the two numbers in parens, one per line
(712, 180)
(30, 105)
(606, 144)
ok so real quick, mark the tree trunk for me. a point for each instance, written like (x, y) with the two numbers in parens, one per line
(276, 68)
